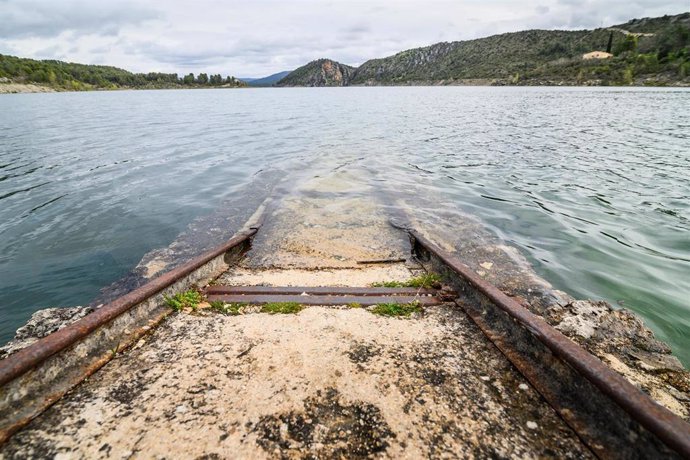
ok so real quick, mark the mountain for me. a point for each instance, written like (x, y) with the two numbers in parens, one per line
(266, 81)
(322, 72)
(644, 51)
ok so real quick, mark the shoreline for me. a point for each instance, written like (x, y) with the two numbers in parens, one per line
(31, 88)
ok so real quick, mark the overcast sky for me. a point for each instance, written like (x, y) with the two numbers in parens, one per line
(260, 37)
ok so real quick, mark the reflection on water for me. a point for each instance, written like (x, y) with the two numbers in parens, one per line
(593, 185)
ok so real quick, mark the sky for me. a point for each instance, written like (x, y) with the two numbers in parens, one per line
(254, 38)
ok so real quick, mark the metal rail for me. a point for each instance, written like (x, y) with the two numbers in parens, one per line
(325, 300)
(319, 290)
(579, 386)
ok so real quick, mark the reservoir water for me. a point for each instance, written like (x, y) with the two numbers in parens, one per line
(592, 185)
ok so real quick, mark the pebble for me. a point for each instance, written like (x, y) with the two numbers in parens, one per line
(523, 386)
(532, 425)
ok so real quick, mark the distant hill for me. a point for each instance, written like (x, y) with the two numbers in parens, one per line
(645, 51)
(266, 81)
(322, 72)
(80, 77)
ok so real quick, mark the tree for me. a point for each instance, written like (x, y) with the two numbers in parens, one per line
(202, 79)
(188, 79)
(38, 76)
(629, 44)
(672, 39)
(628, 76)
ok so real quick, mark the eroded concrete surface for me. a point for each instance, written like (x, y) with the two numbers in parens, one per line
(324, 383)
(341, 382)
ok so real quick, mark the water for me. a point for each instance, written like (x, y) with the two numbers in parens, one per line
(592, 185)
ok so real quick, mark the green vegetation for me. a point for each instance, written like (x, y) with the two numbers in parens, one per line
(663, 58)
(396, 309)
(281, 307)
(354, 305)
(389, 284)
(426, 281)
(81, 77)
(188, 299)
(232, 308)
(531, 57)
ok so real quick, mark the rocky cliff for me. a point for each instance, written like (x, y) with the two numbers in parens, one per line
(322, 72)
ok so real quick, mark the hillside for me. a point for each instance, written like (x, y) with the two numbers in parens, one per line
(266, 81)
(70, 76)
(498, 56)
(535, 57)
(322, 72)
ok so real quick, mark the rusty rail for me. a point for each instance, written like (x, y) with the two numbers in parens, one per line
(325, 300)
(319, 290)
(38, 375)
(614, 418)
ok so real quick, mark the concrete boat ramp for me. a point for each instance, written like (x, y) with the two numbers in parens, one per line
(327, 382)
(324, 382)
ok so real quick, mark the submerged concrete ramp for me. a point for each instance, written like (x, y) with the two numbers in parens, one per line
(326, 382)
(240, 379)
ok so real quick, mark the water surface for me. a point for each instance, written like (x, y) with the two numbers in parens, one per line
(591, 184)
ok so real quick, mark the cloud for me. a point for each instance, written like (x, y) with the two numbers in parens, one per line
(34, 18)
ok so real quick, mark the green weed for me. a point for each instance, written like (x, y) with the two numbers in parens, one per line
(232, 308)
(389, 284)
(426, 281)
(187, 299)
(396, 309)
(281, 307)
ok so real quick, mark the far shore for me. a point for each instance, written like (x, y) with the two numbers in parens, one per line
(17, 88)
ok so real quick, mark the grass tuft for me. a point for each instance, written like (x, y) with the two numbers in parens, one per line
(389, 284)
(188, 299)
(426, 281)
(232, 308)
(354, 305)
(396, 309)
(281, 307)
